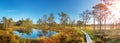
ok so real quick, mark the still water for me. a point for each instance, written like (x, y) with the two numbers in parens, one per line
(36, 33)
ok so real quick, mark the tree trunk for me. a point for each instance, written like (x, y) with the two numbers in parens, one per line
(94, 24)
(100, 26)
(105, 25)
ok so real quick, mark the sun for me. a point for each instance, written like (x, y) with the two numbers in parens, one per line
(117, 5)
(116, 8)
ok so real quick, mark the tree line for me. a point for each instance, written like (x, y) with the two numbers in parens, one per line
(99, 14)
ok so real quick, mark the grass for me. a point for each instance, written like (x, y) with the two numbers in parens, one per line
(65, 35)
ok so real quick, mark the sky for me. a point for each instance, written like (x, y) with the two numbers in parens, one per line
(35, 9)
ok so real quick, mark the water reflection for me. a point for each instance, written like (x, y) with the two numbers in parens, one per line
(35, 33)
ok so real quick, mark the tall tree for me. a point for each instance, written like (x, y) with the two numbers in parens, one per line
(85, 17)
(39, 22)
(101, 13)
(4, 19)
(80, 23)
(111, 4)
(94, 13)
(63, 18)
(71, 22)
(44, 19)
(51, 19)
(10, 22)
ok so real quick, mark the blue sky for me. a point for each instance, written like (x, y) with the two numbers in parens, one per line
(34, 9)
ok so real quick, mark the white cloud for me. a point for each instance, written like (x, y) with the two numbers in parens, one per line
(11, 10)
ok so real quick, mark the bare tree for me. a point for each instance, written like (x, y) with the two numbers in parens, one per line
(85, 17)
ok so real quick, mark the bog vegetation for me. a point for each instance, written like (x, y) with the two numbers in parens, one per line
(69, 30)
(66, 30)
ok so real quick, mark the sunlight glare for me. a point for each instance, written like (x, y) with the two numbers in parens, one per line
(117, 5)
(116, 8)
